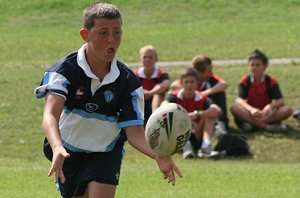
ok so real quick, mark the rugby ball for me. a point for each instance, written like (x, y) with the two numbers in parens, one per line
(168, 129)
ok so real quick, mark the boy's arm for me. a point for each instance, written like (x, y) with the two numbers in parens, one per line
(136, 138)
(160, 87)
(277, 103)
(176, 85)
(53, 107)
(210, 110)
(252, 110)
(219, 87)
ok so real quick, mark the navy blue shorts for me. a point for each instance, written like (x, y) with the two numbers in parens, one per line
(81, 168)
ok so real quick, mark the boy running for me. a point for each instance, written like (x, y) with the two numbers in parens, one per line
(93, 103)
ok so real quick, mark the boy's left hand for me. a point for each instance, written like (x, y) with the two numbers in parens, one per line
(168, 167)
(267, 111)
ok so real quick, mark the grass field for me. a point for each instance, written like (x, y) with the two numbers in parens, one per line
(36, 33)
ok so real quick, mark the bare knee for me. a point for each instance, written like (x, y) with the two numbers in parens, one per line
(234, 109)
(286, 111)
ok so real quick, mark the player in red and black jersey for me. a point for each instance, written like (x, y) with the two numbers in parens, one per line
(211, 86)
(155, 81)
(260, 102)
(202, 112)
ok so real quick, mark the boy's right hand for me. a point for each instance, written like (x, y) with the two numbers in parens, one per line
(59, 155)
(257, 114)
(168, 167)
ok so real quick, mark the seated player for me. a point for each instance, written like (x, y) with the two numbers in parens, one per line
(260, 103)
(211, 86)
(155, 81)
(202, 112)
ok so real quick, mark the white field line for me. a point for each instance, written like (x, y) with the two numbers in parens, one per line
(274, 61)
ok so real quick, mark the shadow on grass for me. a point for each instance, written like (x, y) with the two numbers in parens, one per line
(293, 132)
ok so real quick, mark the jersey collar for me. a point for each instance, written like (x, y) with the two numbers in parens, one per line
(261, 80)
(196, 98)
(155, 74)
(110, 77)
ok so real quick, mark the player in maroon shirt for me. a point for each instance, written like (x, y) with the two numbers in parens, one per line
(155, 81)
(211, 86)
(202, 112)
(260, 103)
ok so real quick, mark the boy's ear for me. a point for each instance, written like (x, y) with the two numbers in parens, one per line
(84, 34)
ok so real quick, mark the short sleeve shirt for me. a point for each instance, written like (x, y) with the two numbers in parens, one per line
(95, 113)
(199, 102)
(157, 77)
(258, 94)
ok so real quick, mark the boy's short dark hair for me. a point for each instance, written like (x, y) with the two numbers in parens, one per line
(97, 11)
(189, 71)
(257, 54)
(200, 62)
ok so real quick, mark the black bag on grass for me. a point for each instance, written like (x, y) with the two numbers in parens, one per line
(234, 145)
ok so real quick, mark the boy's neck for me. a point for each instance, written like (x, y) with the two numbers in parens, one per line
(149, 71)
(100, 69)
(258, 79)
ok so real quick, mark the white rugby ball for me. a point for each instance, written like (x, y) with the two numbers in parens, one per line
(168, 129)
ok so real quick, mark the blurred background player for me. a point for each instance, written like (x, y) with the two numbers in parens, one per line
(260, 103)
(202, 112)
(155, 81)
(211, 86)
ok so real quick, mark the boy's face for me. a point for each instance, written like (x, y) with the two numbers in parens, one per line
(103, 39)
(206, 74)
(189, 83)
(257, 67)
(148, 58)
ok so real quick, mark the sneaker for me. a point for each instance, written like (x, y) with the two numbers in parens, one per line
(276, 127)
(204, 152)
(246, 127)
(217, 154)
(211, 154)
(298, 121)
(220, 129)
(188, 151)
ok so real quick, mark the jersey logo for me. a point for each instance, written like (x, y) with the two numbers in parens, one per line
(79, 93)
(108, 96)
(91, 107)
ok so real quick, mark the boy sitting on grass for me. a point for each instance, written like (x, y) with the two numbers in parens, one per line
(211, 86)
(155, 81)
(260, 103)
(202, 112)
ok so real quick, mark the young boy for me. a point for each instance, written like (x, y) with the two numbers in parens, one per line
(211, 86)
(155, 81)
(93, 102)
(260, 103)
(202, 112)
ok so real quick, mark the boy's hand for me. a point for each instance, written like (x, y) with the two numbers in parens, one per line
(147, 94)
(267, 111)
(167, 167)
(59, 155)
(255, 113)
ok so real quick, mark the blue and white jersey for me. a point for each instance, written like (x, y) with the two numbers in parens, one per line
(95, 112)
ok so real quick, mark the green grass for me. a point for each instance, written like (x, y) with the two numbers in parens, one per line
(38, 32)
(272, 172)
